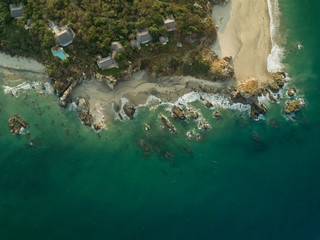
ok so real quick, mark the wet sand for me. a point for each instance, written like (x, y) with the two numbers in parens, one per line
(137, 90)
(244, 33)
(20, 68)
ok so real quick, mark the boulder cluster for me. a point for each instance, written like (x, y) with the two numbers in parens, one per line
(16, 124)
(249, 92)
(84, 111)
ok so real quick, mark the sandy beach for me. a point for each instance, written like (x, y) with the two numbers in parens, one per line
(244, 33)
(20, 68)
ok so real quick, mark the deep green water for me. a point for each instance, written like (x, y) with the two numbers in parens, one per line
(227, 186)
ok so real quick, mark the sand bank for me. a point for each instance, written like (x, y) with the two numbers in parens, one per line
(244, 33)
(20, 68)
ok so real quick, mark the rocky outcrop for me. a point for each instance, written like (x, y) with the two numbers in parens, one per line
(292, 106)
(220, 69)
(217, 114)
(109, 80)
(193, 114)
(204, 125)
(64, 99)
(16, 124)
(83, 111)
(291, 92)
(245, 97)
(278, 81)
(177, 112)
(168, 123)
(208, 104)
(129, 110)
(257, 109)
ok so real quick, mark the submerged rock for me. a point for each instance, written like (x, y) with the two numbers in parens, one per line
(16, 124)
(292, 106)
(177, 112)
(168, 123)
(129, 110)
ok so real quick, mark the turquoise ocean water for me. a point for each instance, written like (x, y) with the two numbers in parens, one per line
(227, 186)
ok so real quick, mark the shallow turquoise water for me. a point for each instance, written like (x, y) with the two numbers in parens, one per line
(227, 186)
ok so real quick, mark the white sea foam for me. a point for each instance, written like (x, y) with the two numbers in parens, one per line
(48, 88)
(276, 55)
(23, 86)
(123, 114)
(72, 106)
(274, 59)
(38, 86)
(99, 118)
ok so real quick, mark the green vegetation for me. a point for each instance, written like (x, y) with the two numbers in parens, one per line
(97, 23)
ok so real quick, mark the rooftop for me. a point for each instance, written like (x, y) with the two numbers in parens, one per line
(170, 23)
(106, 63)
(16, 10)
(117, 46)
(64, 37)
(143, 37)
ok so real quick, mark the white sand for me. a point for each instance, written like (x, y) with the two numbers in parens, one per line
(244, 33)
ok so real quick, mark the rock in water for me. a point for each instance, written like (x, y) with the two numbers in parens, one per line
(278, 81)
(168, 123)
(217, 114)
(208, 104)
(83, 111)
(16, 124)
(257, 109)
(177, 112)
(292, 106)
(193, 114)
(129, 110)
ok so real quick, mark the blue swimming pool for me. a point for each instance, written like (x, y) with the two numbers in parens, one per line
(60, 55)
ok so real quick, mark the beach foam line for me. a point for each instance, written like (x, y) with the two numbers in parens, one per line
(216, 100)
(274, 61)
(23, 86)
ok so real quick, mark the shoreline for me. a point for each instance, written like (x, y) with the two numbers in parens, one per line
(14, 68)
(243, 28)
(233, 39)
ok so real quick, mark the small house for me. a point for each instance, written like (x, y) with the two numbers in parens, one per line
(117, 46)
(143, 37)
(16, 10)
(170, 23)
(164, 40)
(64, 37)
(106, 63)
(135, 44)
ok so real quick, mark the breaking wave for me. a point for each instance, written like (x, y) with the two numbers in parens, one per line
(276, 55)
